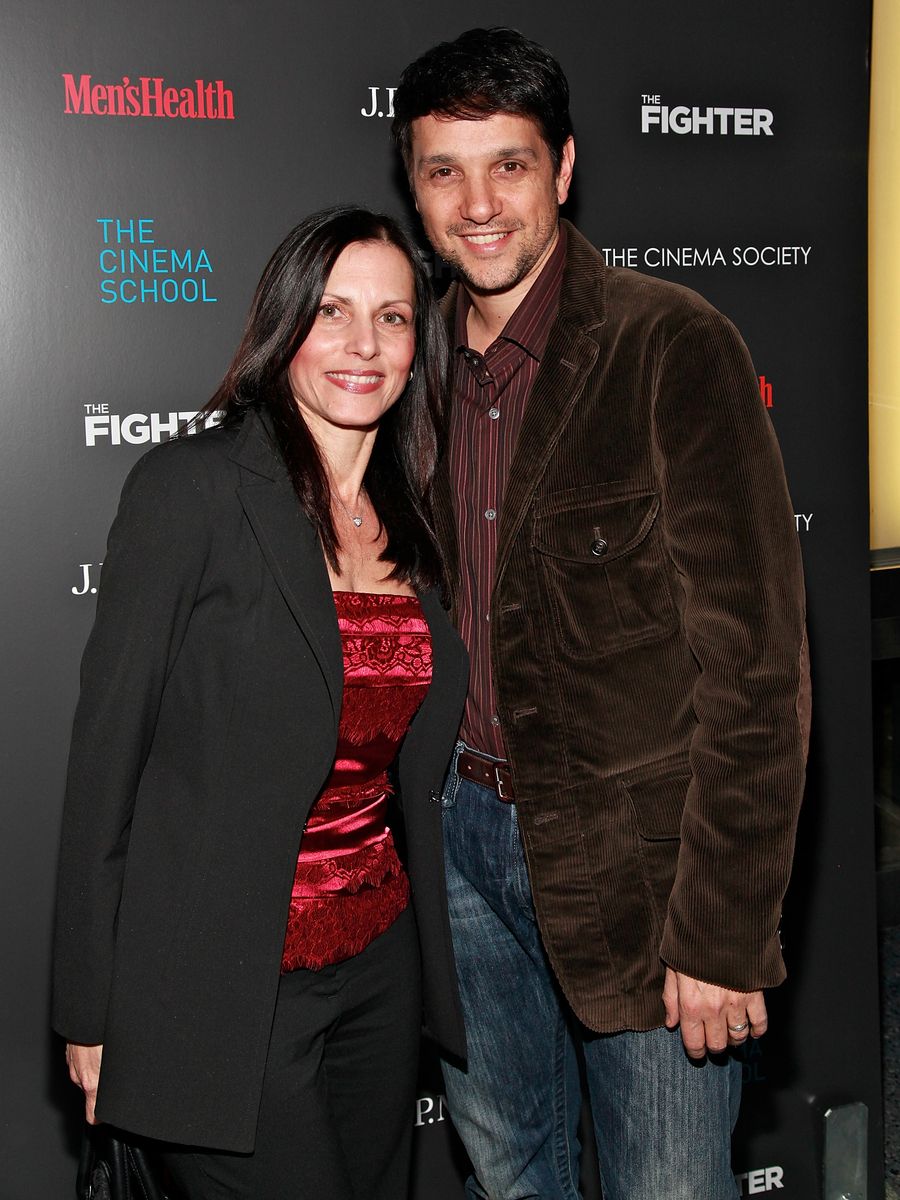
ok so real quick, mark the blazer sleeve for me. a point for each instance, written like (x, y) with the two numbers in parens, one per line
(154, 563)
(730, 531)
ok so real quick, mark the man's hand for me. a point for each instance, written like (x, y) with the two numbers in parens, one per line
(84, 1069)
(711, 1018)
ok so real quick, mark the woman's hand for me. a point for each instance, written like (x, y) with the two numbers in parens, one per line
(84, 1069)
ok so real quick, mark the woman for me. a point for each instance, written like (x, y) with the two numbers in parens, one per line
(267, 627)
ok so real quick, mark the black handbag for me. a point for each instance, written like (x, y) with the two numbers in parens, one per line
(116, 1166)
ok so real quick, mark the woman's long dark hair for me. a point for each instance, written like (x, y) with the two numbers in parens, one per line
(399, 474)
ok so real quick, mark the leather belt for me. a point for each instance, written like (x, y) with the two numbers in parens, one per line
(488, 772)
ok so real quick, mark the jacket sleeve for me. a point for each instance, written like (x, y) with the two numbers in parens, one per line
(151, 575)
(730, 531)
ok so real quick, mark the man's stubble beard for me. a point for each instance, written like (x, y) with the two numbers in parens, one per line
(529, 255)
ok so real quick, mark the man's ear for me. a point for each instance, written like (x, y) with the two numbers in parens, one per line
(566, 167)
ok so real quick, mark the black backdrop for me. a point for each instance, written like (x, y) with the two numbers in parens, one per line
(100, 349)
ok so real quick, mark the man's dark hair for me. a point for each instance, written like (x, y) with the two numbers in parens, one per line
(398, 477)
(483, 72)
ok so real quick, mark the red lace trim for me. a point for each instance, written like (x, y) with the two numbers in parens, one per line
(362, 721)
(369, 866)
(329, 930)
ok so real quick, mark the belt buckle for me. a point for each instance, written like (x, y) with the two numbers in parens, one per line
(498, 784)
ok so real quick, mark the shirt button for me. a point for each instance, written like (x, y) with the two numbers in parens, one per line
(490, 513)
(495, 720)
(494, 413)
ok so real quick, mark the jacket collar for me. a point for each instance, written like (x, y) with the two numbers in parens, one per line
(289, 545)
(583, 298)
(255, 446)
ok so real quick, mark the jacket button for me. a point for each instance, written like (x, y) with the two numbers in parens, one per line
(599, 547)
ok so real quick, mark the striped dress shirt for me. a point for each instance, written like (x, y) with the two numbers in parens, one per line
(489, 395)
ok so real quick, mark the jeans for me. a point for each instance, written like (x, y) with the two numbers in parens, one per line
(662, 1122)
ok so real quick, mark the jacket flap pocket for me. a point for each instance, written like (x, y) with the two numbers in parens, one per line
(596, 531)
(658, 805)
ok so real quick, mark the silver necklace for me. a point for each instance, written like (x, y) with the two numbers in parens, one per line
(357, 520)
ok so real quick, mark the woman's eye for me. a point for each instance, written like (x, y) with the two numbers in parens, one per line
(393, 318)
(328, 310)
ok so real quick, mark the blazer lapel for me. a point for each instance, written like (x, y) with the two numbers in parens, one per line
(569, 356)
(291, 549)
(448, 656)
(445, 524)
(442, 488)
(429, 742)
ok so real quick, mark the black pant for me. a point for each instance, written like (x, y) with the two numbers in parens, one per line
(336, 1117)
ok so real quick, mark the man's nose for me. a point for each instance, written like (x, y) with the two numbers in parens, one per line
(481, 201)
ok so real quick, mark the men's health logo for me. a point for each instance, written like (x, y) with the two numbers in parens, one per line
(724, 121)
(136, 269)
(148, 96)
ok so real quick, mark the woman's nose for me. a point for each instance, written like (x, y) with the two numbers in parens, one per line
(362, 339)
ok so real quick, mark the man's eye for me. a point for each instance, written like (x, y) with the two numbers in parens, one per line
(509, 168)
(442, 173)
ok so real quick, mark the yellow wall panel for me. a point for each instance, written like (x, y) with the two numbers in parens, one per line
(884, 277)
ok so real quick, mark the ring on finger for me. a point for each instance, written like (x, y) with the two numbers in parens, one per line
(739, 1028)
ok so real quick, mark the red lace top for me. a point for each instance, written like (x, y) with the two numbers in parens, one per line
(349, 885)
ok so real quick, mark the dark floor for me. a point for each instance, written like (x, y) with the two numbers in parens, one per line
(886, 730)
(890, 1017)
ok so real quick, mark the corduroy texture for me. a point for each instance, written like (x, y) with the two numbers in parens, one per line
(648, 647)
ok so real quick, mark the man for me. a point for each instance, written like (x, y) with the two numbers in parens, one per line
(620, 814)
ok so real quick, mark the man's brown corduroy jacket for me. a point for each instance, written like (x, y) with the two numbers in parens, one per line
(648, 647)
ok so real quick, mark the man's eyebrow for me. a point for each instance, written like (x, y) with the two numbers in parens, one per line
(515, 152)
(437, 159)
(446, 160)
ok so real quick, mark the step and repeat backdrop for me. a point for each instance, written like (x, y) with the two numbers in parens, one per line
(152, 158)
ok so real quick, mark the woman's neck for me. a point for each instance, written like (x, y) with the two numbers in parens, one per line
(345, 454)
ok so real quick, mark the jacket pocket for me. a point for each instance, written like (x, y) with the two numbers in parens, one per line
(603, 568)
(657, 806)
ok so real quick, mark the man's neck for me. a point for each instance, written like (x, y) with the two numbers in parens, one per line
(486, 319)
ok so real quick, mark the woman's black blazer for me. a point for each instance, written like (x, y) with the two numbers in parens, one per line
(206, 727)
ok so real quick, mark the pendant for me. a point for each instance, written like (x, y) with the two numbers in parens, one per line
(357, 521)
